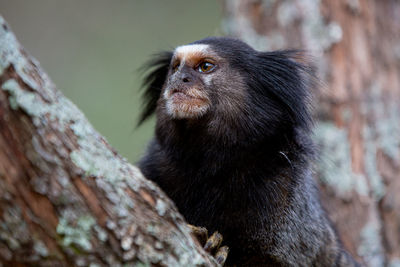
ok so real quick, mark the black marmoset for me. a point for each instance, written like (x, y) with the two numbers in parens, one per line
(232, 149)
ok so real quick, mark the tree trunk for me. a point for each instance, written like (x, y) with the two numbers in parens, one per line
(66, 197)
(356, 50)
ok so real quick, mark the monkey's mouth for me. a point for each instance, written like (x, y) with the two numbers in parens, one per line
(191, 94)
(187, 103)
(180, 95)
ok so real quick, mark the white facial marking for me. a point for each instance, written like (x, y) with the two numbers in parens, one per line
(207, 79)
(189, 49)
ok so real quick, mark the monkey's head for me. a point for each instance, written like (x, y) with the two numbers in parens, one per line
(229, 88)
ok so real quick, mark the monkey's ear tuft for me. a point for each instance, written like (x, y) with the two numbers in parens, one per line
(290, 79)
(157, 71)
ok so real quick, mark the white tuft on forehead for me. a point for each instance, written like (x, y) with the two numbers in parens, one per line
(193, 48)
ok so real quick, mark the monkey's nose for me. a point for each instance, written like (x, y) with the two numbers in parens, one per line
(185, 77)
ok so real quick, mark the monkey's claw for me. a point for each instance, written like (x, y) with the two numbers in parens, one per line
(221, 255)
(211, 244)
(201, 233)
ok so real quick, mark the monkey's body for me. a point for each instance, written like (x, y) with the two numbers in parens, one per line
(234, 152)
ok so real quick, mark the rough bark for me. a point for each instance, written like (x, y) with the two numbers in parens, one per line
(66, 197)
(356, 50)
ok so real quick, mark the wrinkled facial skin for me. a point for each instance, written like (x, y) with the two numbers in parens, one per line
(197, 75)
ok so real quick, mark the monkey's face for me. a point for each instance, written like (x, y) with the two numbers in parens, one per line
(192, 83)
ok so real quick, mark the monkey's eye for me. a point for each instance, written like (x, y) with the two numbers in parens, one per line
(205, 67)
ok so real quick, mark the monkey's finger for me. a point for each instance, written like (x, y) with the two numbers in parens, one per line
(213, 242)
(221, 255)
(200, 233)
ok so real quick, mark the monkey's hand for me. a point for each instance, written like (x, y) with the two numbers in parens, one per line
(211, 244)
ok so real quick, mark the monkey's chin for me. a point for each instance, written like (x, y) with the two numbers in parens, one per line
(182, 106)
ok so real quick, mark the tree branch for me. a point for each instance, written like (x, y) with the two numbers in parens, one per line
(66, 197)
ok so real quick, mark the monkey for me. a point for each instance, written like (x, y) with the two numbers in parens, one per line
(233, 150)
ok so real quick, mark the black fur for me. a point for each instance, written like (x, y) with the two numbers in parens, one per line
(153, 82)
(248, 176)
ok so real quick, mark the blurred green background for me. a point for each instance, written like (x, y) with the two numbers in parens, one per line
(92, 50)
